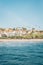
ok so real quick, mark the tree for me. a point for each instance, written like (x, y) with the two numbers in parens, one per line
(13, 28)
(24, 28)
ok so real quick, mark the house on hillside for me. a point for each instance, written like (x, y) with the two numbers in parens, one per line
(1, 32)
(8, 32)
(41, 32)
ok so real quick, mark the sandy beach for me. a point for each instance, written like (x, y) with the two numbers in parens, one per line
(13, 40)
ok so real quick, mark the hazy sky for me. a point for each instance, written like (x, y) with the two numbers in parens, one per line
(21, 13)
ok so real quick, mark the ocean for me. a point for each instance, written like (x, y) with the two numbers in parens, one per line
(21, 53)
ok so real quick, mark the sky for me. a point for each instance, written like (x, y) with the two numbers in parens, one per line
(21, 13)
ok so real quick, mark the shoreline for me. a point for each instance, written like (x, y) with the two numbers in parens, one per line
(21, 40)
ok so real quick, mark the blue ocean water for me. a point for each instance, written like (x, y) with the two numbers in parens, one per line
(21, 53)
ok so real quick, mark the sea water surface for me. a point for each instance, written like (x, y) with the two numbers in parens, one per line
(21, 53)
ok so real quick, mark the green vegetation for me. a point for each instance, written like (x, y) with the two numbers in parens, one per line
(31, 36)
(20, 33)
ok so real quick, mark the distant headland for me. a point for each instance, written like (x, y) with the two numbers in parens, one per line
(20, 33)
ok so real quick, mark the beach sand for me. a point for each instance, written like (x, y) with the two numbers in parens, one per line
(10, 40)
